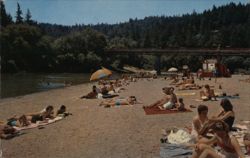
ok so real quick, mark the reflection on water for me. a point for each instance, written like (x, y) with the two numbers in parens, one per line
(25, 83)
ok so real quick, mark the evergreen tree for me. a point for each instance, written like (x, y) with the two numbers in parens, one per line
(28, 17)
(5, 18)
(19, 18)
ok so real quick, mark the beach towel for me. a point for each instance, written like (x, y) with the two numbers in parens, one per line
(228, 97)
(38, 124)
(155, 110)
(168, 150)
(184, 94)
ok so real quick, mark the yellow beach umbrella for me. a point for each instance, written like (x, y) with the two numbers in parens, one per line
(101, 73)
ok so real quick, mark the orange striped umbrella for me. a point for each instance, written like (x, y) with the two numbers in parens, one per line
(101, 73)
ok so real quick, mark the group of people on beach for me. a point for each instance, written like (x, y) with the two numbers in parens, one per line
(208, 133)
(9, 127)
(106, 89)
(216, 131)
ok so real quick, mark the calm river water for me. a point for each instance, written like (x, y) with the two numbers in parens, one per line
(13, 85)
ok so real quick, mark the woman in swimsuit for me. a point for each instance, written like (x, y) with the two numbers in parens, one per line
(229, 145)
(227, 114)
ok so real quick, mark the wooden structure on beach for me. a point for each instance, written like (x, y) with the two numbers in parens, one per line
(213, 68)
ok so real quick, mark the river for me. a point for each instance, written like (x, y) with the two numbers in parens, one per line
(13, 85)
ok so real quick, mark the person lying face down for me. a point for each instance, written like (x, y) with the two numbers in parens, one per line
(7, 132)
(47, 114)
(18, 121)
(131, 100)
(62, 111)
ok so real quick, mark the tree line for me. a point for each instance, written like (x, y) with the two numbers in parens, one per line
(27, 45)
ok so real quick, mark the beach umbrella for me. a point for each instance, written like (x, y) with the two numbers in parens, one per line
(101, 73)
(185, 67)
(172, 69)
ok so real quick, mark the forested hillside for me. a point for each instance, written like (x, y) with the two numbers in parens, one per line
(27, 45)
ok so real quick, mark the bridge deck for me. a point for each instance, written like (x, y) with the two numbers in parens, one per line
(228, 52)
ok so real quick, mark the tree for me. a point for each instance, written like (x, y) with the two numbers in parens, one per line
(5, 18)
(19, 18)
(28, 17)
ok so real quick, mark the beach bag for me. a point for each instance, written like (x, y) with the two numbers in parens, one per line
(179, 137)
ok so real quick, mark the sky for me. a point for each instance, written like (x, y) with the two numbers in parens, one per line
(71, 12)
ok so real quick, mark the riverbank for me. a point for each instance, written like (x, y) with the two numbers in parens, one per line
(94, 131)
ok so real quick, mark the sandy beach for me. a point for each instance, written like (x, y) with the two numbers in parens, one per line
(93, 131)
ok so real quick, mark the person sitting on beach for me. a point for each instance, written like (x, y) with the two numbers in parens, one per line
(62, 111)
(171, 103)
(227, 113)
(131, 100)
(229, 145)
(180, 106)
(93, 94)
(167, 97)
(207, 94)
(199, 121)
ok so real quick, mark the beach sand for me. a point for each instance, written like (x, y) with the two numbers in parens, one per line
(93, 131)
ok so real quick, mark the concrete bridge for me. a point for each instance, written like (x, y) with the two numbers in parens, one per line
(218, 53)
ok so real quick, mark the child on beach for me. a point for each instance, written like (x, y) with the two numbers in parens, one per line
(180, 106)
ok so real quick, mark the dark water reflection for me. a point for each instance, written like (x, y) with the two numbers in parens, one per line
(25, 83)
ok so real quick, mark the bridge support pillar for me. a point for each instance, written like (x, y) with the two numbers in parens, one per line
(158, 64)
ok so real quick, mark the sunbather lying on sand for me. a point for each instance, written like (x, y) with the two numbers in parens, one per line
(207, 93)
(62, 111)
(189, 86)
(186, 82)
(7, 132)
(41, 116)
(18, 121)
(119, 101)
